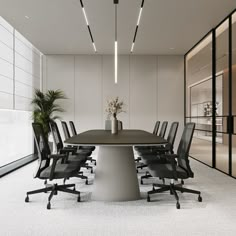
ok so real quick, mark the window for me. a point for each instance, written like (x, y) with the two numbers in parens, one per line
(20, 74)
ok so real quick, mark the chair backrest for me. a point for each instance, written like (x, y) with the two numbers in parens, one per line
(108, 125)
(72, 128)
(184, 146)
(172, 135)
(42, 148)
(65, 130)
(163, 129)
(156, 127)
(56, 136)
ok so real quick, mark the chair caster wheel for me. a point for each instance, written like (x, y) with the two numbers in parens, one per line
(148, 198)
(27, 199)
(91, 171)
(171, 192)
(177, 205)
(141, 181)
(199, 198)
(78, 199)
(49, 206)
(182, 182)
(55, 193)
(86, 182)
(73, 189)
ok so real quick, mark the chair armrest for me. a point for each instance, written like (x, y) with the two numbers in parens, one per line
(55, 158)
(67, 150)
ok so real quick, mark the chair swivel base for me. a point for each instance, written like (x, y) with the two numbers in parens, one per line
(92, 161)
(79, 175)
(87, 167)
(173, 191)
(53, 191)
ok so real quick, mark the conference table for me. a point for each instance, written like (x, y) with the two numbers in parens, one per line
(115, 174)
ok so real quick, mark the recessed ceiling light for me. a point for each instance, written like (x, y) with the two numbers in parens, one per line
(172, 48)
(27, 17)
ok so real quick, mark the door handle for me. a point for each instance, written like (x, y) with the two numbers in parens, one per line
(232, 125)
(228, 125)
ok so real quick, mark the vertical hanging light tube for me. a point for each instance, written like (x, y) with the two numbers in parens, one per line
(116, 44)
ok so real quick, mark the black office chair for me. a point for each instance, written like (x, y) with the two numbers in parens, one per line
(156, 128)
(153, 154)
(163, 148)
(161, 134)
(73, 154)
(83, 148)
(175, 170)
(144, 148)
(156, 156)
(74, 132)
(155, 131)
(163, 129)
(49, 168)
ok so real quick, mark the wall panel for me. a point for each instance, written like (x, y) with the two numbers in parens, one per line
(143, 90)
(170, 98)
(60, 74)
(88, 92)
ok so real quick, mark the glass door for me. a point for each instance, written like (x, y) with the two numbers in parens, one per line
(199, 98)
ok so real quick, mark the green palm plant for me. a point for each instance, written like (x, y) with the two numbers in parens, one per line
(45, 107)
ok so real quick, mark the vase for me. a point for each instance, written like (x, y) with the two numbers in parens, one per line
(114, 125)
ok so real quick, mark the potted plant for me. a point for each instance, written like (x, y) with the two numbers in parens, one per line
(45, 107)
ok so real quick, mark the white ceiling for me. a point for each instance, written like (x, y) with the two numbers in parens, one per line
(58, 26)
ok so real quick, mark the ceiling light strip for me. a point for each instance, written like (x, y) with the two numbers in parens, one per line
(116, 43)
(136, 29)
(87, 23)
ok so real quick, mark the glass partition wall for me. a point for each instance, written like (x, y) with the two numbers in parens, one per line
(210, 97)
(199, 98)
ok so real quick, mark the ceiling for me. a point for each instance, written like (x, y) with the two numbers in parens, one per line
(58, 26)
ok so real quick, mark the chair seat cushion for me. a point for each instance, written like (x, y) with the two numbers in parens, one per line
(61, 171)
(148, 159)
(165, 171)
(77, 158)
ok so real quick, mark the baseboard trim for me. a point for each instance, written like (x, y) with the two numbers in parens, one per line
(6, 169)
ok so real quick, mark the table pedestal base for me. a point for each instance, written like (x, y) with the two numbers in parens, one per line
(115, 176)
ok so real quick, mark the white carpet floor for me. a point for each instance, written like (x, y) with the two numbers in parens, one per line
(216, 215)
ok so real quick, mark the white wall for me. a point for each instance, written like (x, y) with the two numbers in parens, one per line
(152, 88)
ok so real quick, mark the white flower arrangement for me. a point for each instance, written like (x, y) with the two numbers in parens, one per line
(114, 107)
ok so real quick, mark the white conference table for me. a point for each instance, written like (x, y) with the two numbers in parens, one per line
(115, 175)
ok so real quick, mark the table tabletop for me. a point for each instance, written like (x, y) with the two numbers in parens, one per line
(124, 137)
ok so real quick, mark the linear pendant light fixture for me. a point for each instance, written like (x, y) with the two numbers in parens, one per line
(136, 29)
(87, 23)
(116, 43)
